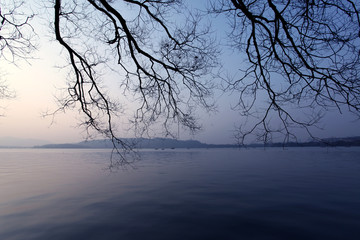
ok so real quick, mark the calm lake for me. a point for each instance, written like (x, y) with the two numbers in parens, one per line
(296, 193)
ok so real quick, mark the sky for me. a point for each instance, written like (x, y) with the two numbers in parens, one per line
(38, 81)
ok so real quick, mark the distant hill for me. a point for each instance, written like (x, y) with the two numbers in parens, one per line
(166, 143)
(140, 143)
(326, 142)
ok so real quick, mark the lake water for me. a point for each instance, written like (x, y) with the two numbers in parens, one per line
(296, 193)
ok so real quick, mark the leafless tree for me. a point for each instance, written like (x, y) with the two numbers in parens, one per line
(300, 56)
(16, 36)
(16, 32)
(5, 92)
(166, 61)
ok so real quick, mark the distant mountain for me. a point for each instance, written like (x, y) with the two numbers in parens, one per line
(140, 143)
(20, 142)
(344, 140)
(167, 143)
(325, 142)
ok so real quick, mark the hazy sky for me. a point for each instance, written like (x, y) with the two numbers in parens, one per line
(37, 83)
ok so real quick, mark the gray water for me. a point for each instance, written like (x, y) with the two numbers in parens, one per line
(296, 193)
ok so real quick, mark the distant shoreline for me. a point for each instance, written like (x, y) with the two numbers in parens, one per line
(166, 143)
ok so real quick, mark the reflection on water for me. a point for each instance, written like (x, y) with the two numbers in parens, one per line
(309, 193)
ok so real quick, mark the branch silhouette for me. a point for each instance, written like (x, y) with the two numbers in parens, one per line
(302, 59)
(300, 55)
(163, 63)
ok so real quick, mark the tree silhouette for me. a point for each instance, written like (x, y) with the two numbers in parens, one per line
(300, 55)
(16, 32)
(164, 62)
(16, 36)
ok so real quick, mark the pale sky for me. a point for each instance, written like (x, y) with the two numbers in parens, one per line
(37, 83)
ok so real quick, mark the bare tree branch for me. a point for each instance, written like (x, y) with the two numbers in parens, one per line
(16, 32)
(302, 59)
(16, 39)
(165, 65)
(302, 55)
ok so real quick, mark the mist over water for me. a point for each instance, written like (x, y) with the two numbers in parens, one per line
(297, 193)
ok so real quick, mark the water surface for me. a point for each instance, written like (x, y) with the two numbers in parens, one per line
(297, 193)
